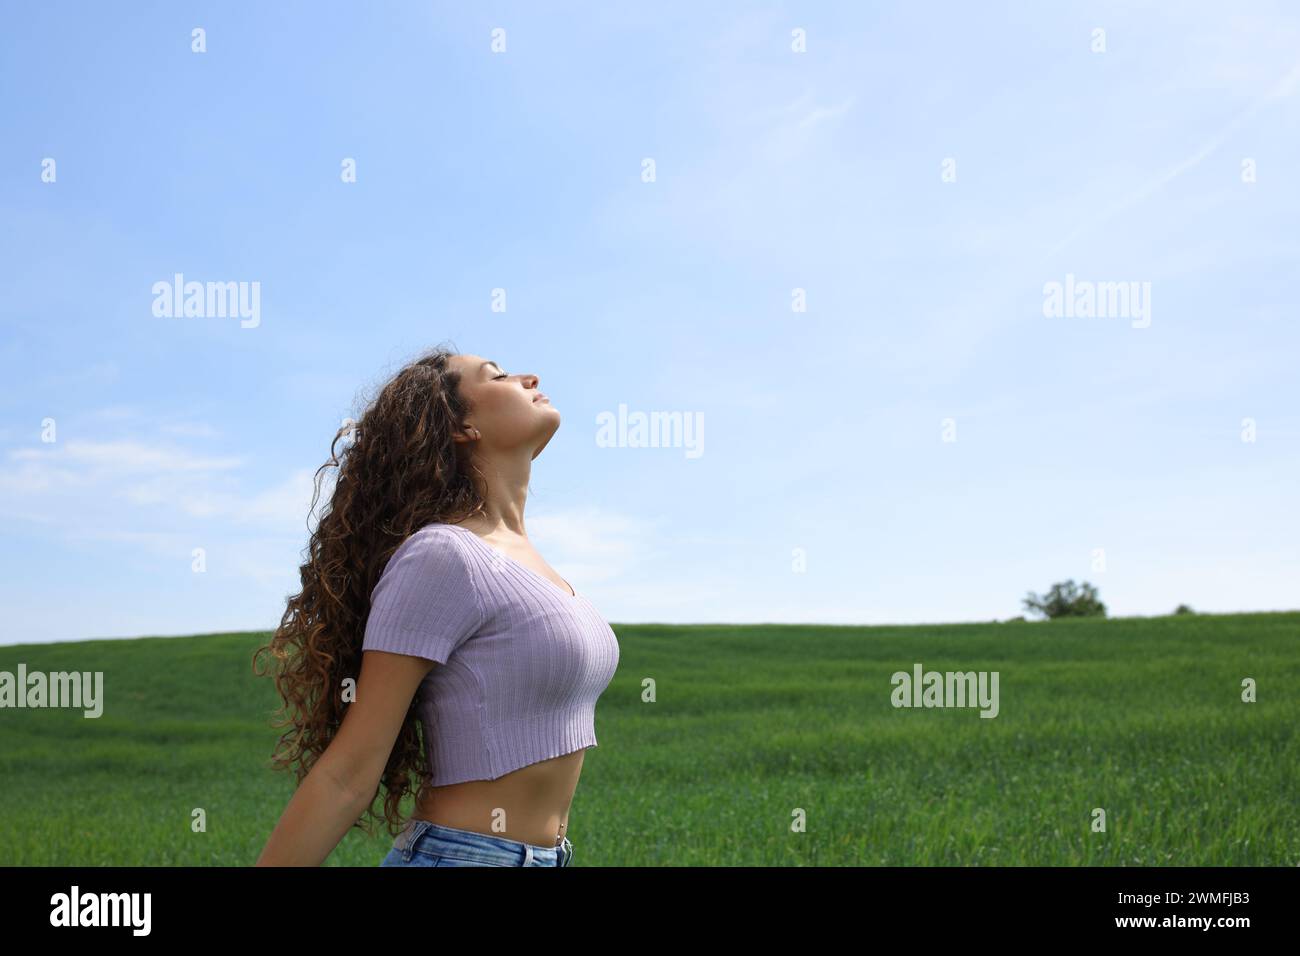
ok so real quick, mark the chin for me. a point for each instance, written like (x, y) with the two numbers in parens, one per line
(547, 437)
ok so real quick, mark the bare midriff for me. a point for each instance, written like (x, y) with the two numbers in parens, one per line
(531, 803)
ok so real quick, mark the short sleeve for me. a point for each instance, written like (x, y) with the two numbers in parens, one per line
(425, 603)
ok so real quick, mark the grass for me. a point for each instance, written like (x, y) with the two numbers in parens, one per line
(751, 728)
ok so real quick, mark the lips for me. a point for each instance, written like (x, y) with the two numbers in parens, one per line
(541, 397)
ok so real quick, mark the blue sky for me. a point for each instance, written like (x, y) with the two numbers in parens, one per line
(826, 491)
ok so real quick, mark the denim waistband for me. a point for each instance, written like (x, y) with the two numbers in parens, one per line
(482, 847)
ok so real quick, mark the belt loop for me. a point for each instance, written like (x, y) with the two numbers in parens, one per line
(410, 833)
(528, 854)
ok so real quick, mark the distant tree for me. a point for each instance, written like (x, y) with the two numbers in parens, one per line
(1183, 609)
(1066, 599)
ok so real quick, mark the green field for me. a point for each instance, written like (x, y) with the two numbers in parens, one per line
(1140, 716)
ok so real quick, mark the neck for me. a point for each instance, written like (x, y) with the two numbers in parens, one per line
(504, 486)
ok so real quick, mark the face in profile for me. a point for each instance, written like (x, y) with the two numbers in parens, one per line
(508, 409)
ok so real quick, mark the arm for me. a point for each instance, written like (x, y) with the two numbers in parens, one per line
(423, 608)
(342, 783)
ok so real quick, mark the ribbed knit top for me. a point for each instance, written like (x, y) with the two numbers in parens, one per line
(520, 662)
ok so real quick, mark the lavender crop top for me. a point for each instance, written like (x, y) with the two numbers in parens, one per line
(520, 663)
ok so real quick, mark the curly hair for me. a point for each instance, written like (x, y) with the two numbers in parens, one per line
(400, 471)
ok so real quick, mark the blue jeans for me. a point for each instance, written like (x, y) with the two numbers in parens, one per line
(424, 843)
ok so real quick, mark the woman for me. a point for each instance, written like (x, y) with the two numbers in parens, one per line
(422, 586)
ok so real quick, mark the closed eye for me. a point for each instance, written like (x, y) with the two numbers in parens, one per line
(502, 375)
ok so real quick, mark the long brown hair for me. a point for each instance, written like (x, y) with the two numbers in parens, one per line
(399, 471)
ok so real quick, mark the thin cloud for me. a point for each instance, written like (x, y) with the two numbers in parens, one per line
(1283, 88)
